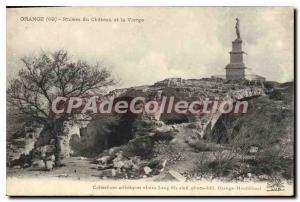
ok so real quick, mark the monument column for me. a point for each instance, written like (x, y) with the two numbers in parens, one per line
(236, 68)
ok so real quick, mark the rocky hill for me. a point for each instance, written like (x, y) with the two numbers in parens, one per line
(192, 147)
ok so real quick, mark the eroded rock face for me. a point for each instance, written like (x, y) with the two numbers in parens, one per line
(267, 124)
(38, 144)
(101, 134)
(45, 146)
(20, 147)
(140, 134)
(43, 158)
(69, 130)
(105, 132)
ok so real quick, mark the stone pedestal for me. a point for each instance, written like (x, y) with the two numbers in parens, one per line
(236, 68)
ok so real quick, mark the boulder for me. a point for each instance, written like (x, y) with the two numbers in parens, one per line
(81, 158)
(118, 164)
(147, 170)
(48, 150)
(128, 164)
(103, 160)
(49, 165)
(38, 164)
(263, 177)
(51, 158)
(154, 163)
(114, 150)
(26, 165)
(108, 173)
(173, 175)
(141, 146)
(174, 141)
(43, 152)
(253, 150)
(165, 132)
(136, 161)
(22, 161)
(157, 165)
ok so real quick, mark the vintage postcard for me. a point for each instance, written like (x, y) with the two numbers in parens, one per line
(150, 101)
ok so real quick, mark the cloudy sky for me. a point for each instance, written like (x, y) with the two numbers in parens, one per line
(186, 42)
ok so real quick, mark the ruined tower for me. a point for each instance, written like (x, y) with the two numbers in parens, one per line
(236, 68)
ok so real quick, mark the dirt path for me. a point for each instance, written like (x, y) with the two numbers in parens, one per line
(74, 167)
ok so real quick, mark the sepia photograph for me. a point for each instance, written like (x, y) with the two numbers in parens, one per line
(150, 101)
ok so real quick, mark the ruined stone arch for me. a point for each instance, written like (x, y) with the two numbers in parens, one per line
(219, 133)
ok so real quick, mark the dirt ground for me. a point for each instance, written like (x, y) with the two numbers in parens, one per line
(84, 168)
(74, 167)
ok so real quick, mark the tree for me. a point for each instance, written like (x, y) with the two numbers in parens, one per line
(46, 77)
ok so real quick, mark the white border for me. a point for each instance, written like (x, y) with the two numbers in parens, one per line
(152, 3)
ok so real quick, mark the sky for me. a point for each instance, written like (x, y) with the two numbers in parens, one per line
(186, 42)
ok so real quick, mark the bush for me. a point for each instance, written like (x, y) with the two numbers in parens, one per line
(222, 165)
(277, 95)
(271, 165)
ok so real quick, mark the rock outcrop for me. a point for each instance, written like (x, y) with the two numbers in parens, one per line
(103, 132)
(138, 133)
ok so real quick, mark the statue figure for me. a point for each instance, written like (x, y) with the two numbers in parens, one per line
(237, 28)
